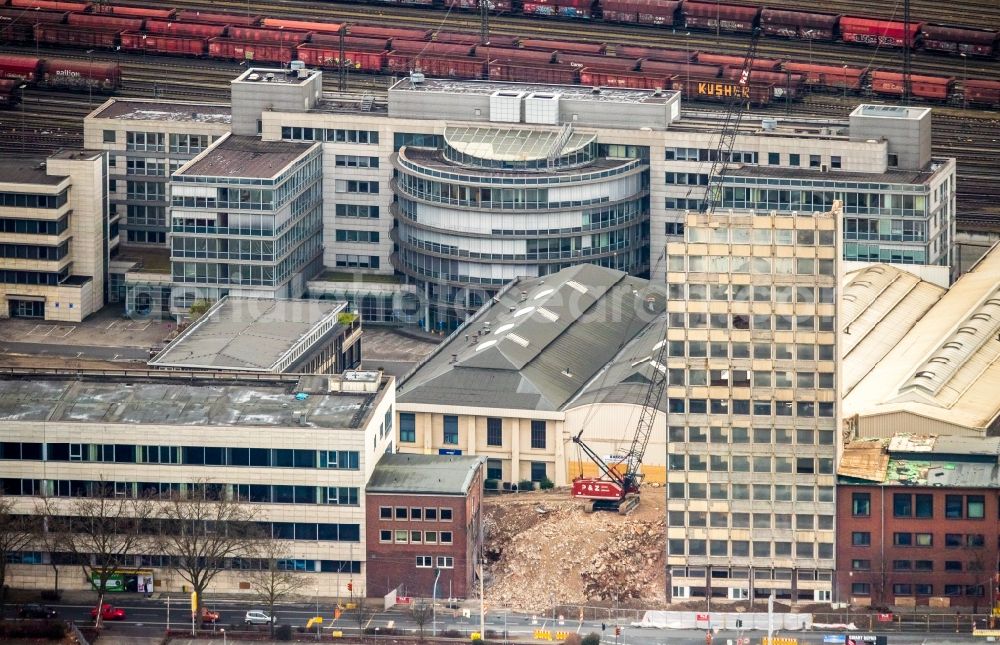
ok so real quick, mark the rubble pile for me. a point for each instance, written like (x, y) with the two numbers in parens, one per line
(542, 548)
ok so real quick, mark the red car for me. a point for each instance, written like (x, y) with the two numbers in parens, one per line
(108, 612)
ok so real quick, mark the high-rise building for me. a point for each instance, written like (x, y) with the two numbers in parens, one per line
(54, 236)
(752, 407)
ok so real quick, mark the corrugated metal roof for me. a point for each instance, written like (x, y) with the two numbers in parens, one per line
(538, 343)
(946, 365)
(424, 474)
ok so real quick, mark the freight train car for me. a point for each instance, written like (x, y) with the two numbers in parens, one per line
(982, 92)
(959, 40)
(50, 5)
(721, 91)
(169, 44)
(69, 74)
(935, 88)
(528, 56)
(437, 66)
(371, 60)
(829, 76)
(617, 78)
(176, 28)
(883, 33)
(135, 12)
(681, 69)
(425, 48)
(597, 62)
(105, 21)
(655, 53)
(496, 40)
(21, 68)
(785, 84)
(799, 24)
(727, 60)
(576, 47)
(377, 31)
(527, 72)
(641, 12)
(583, 9)
(261, 35)
(238, 50)
(301, 25)
(721, 17)
(80, 37)
(205, 17)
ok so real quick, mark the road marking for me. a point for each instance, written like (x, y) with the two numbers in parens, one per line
(115, 357)
(66, 330)
(111, 324)
(37, 328)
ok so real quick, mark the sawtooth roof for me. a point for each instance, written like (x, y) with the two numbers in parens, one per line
(538, 342)
(911, 347)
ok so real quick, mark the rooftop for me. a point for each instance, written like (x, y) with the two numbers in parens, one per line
(911, 347)
(16, 169)
(565, 92)
(436, 160)
(929, 460)
(538, 342)
(275, 75)
(251, 335)
(514, 144)
(424, 474)
(890, 111)
(237, 156)
(183, 399)
(153, 110)
(921, 176)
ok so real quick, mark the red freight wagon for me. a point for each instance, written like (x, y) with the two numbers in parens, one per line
(436, 66)
(191, 29)
(765, 64)
(333, 40)
(877, 32)
(657, 12)
(70, 36)
(798, 24)
(495, 6)
(611, 78)
(164, 44)
(522, 55)
(137, 12)
(238, 50)
(23, 68)
(565, 8)
(258, 35)
(76, 74)
(783, 82)
(598, 62)
(927, 87)
(682, 69)
(721, 91)
(49, 5)
(597, 49)
(301, 25)
(191, 15)
(374, 31)
(16, 31)
(33, 17)
(365, 60)
(828, 75)
(104, 21)
(724, 17)
(959, 40)
(654, 53)
(526, 73)
(496, 40)
(422, 47)
(982, 92)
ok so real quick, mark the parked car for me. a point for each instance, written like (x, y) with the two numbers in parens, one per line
(109, 612)
(255, 617)
(36, 611)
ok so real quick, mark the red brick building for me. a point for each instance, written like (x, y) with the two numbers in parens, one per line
(423, 521)
(917, 519)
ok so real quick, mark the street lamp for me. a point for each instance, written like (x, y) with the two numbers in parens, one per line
(845, 82)
(965, 79)
(22, 87)
(434, 595)
(90, 73)
(224, 639)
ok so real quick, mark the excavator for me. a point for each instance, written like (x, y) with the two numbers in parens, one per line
(617, 487)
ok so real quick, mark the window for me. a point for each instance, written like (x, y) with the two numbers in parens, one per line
(859, 538)
(354, 186)
(425, 561)
(445, 514)
(494, 431)
(450, 430)
(814, 161)
(794, 159)
(902, 589)
(861, 589)
(539, 471)
(353, 161)
(445, 537)
(352, 136)
(353, 235)
(385, 512)
(401, 513)
(538, 434)
(773, 158)
(494, 469)
(402, 536)
(385, 536)
(110, 136)
(835, 161)
(445, 562)
(431, 514)
(925, 506)
(407, 427)
(902, 505)
(952, 565)
(902, 539)
(357, 210)
(924, 539)
(953, 507)
(430, 537)
(861, 565)
(415, 537)
(975, 507)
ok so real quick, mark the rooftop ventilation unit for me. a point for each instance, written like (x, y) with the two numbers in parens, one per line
(416, 78)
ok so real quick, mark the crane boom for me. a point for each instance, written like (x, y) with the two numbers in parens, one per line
(618, 486)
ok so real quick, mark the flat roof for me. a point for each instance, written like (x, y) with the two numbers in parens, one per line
(274, 75)
(922, 460)
(890, 111)
(514, 144)
(921, 176)
(565, 92)
(436, 160)
(240, 156)
(26, 170)
(402, 473)
(249, 334)
(183, 399)
(153, 110)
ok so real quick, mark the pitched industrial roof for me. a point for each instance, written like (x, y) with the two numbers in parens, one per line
(922, 460)
(942, 363)
(538, 343)
(424, 474)
(251, 334)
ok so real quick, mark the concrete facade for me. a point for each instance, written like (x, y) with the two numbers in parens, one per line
(55, 236)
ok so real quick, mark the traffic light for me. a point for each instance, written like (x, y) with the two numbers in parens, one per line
(350, 586)
(603, 627)
(739, 623)
(618, 631)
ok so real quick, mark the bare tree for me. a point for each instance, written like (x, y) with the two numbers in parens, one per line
(421, 613)
(201, 529)
(103, 531)
(16, 532)
(271, 583)
(362, 614)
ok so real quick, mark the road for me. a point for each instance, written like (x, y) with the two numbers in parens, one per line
(75, 351)
(152, 616)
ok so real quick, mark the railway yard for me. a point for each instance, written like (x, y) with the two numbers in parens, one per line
(48, 119)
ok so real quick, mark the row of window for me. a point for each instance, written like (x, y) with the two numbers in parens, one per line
(951, 540)
(756, 407)
(357, 210)
(167, 561)
(746, 264)
(255, 493)
(759, 322)
(538, 470)
(803, 521)
(920, 565)
(743, 293)
(761, 351)
(357, 261)
(354, 186)
(404, 536)
(742, 548)
(737, 435)
(329, 135)
(809, 201)
(741, 378)
(494, 430)
(34, 226)
(34, 251)
(415, 513)
(154, 141)
(354, 235)
(355, 161)
(921, 506)
(742, 464)
(920, 589)
(51, 278)
(186, 455)
(762, 236)
(755, 492)
(443, 562)
(744, 573)
(32, 200)
(708, 154)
